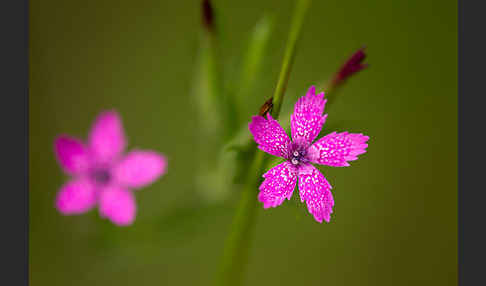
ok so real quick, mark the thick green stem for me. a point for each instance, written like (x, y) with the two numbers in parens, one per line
(253, 62)
(238, 243)
(235, 254)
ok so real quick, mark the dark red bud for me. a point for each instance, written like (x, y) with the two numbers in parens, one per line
(353, 65)
(207, 15)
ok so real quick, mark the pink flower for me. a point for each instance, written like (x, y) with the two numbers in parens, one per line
(101, 174)
(334, 149)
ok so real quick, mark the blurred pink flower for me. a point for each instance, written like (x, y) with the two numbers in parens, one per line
(334, 149)
(101, 174)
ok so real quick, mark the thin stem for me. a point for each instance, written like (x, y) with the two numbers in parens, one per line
(329, 89)
(224, 104)
(238, 243)
(351, 66)
(289, 55)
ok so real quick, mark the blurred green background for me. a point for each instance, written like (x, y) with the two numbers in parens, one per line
(395, 218)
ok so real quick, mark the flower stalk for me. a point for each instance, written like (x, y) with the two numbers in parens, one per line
(238, 243)
(283, 79)
(351, 66)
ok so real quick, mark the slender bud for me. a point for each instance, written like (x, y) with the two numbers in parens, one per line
(353, 65)
(207, 15)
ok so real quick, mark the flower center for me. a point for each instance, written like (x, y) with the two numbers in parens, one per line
(101, 176)
(298, 157)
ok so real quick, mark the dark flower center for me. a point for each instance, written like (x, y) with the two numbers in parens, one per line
(101, 176)
(297, 156)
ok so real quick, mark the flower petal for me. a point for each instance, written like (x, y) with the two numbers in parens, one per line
(307, 119)
(71, 154)
(316, 192)
(278, 185)
(107, 139)
(76, 197)
(336, 149)
(269, 135)
(139, 168)
(118, 205)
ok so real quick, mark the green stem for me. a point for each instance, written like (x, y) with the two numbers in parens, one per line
(223, 103)
(331, 91)
(238, 241)
(252, 65)
(289, 55)
(237, 246)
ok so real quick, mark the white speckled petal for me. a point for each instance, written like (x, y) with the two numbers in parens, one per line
(336, 149)
(315, 190)
(307, 119)
(269, 135)
(278, 185)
